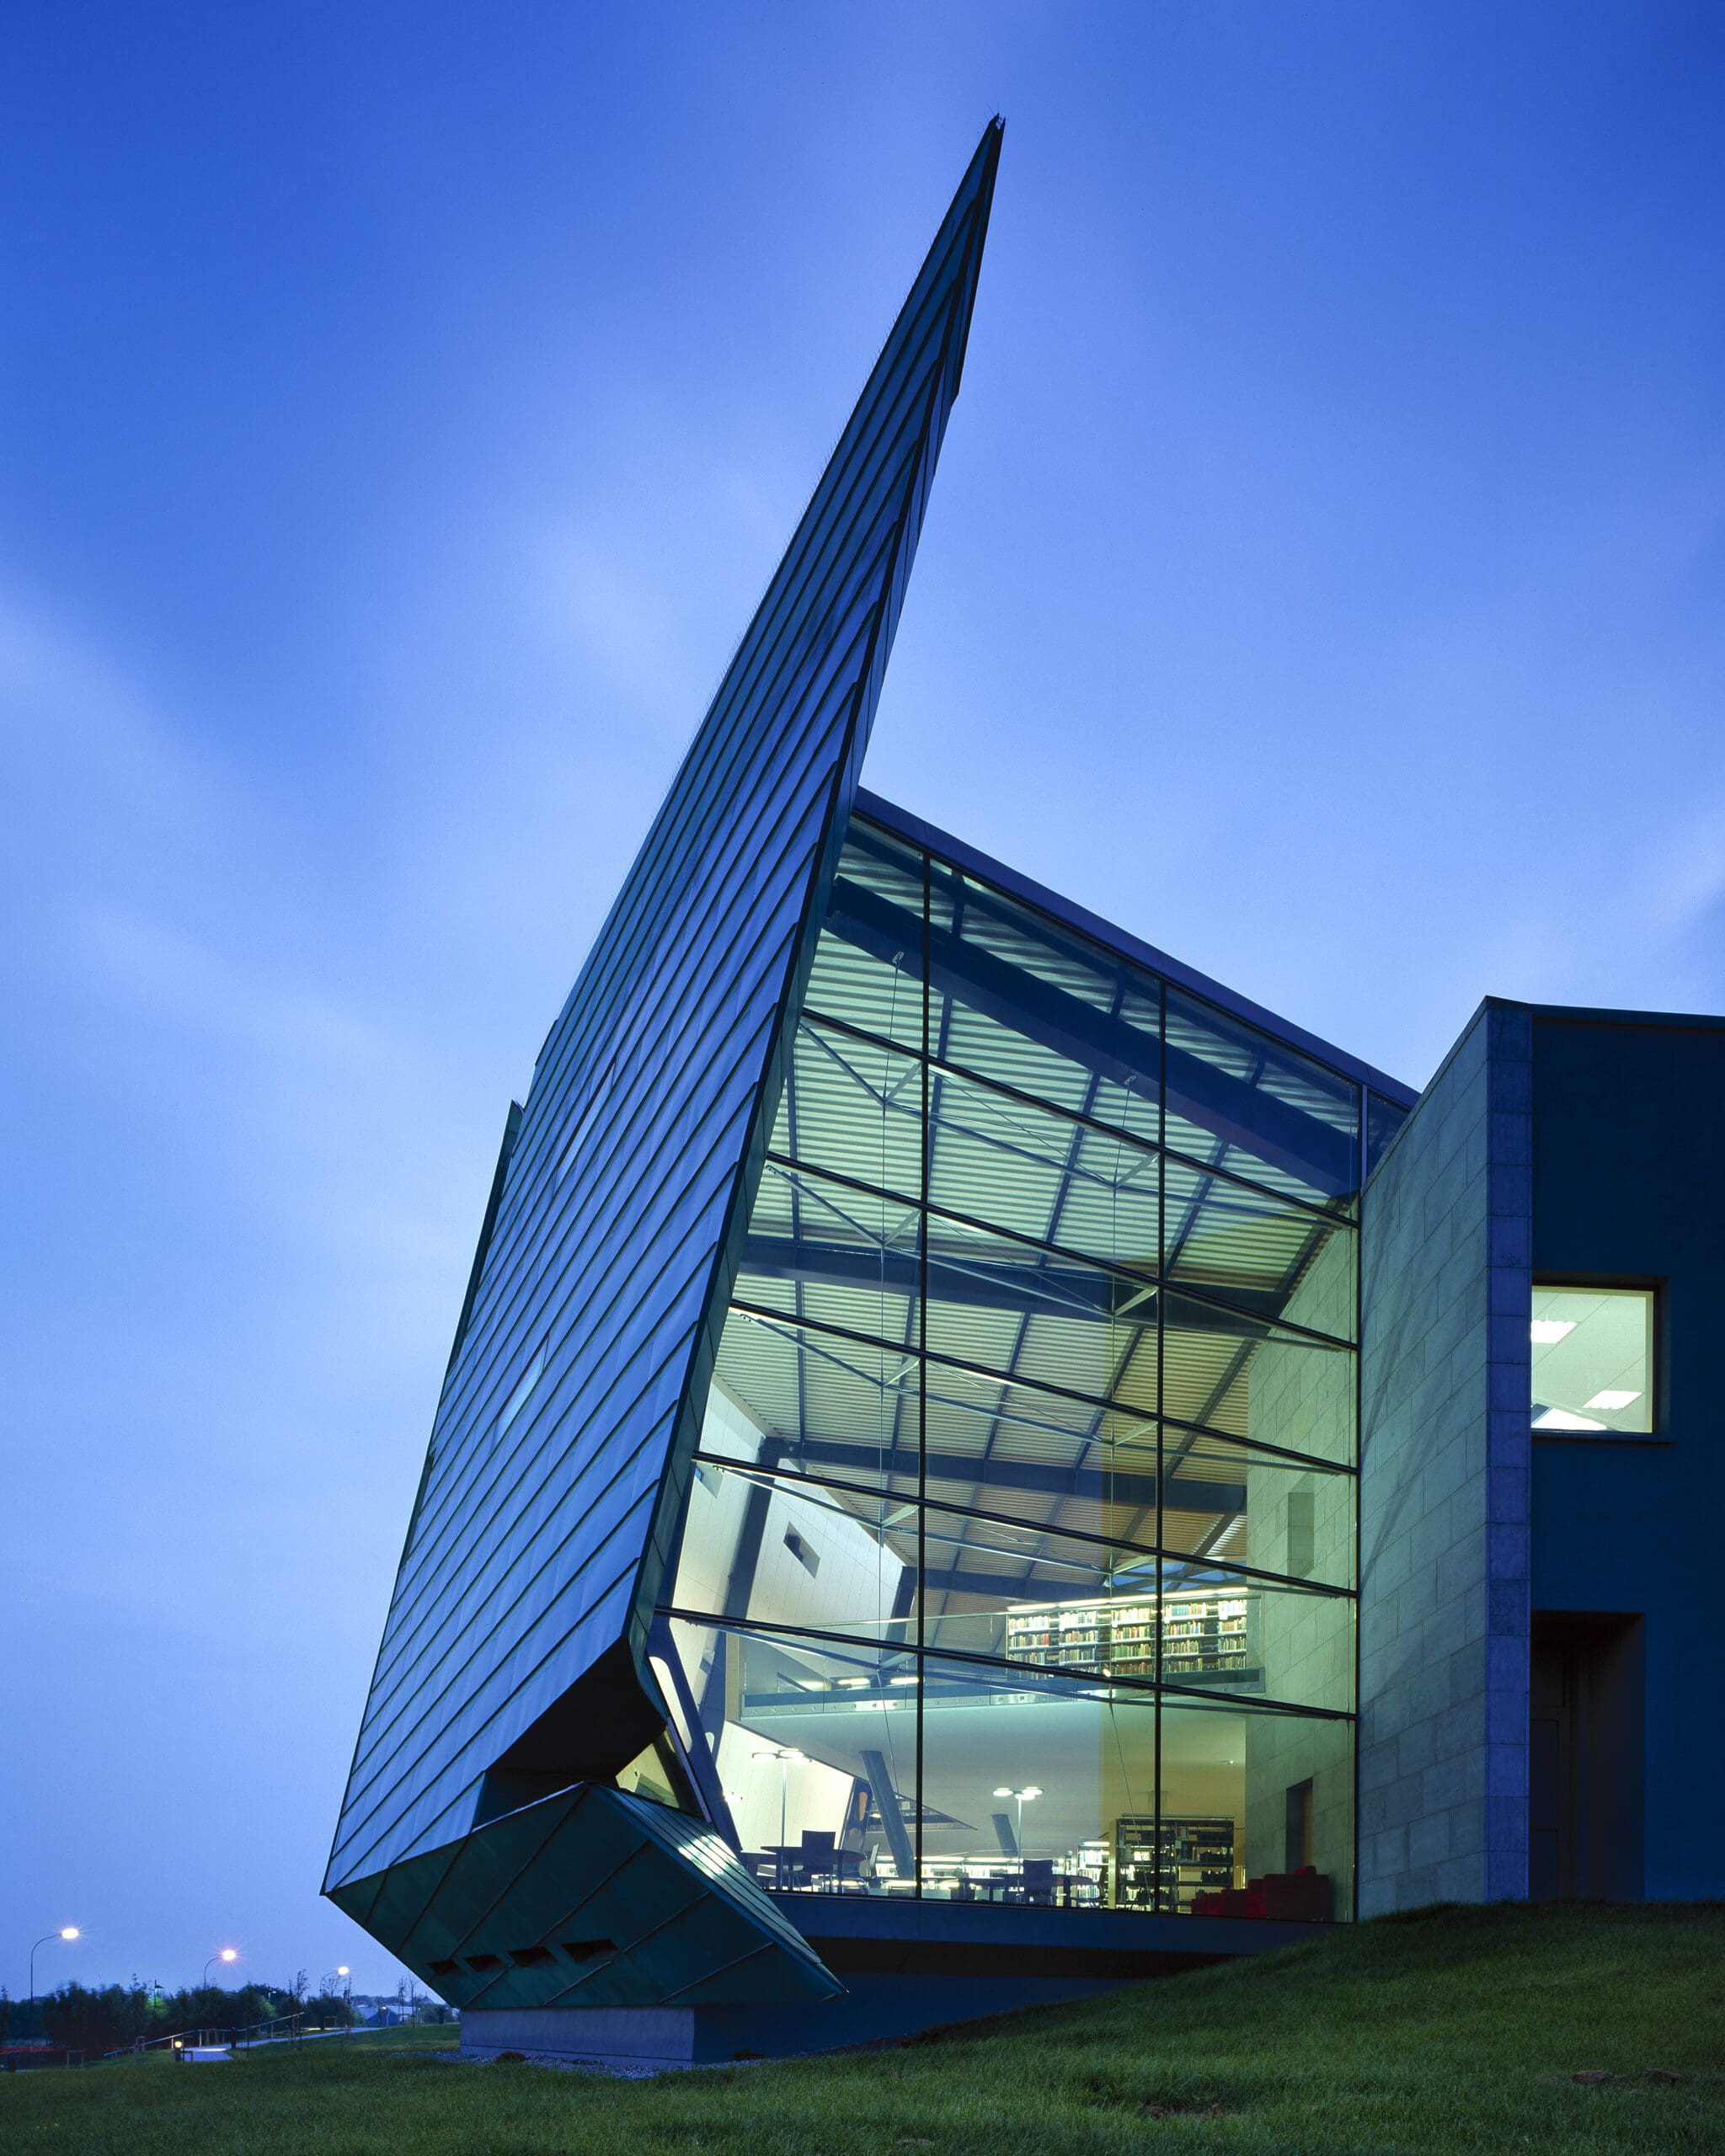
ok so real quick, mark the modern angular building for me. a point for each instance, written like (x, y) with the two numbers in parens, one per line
(977, 1464)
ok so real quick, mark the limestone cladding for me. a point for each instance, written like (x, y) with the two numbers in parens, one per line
(1444, 1456)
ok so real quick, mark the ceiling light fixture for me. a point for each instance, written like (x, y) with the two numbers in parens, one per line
(1547, 1330)
(1611, 1399)
(1559, 1418)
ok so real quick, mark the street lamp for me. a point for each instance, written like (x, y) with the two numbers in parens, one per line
(328, 1983)
(225, 1954)
(785, 1754)
(65, 1931)
(1021, 1797)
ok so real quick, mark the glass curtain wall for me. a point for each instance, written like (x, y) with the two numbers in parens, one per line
(1018, 1564)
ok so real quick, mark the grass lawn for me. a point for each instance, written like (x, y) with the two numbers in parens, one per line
(1459, 2030)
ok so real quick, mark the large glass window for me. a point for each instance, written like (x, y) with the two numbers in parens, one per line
(1593, 1361)
(1019, 1559)
(814, 1747)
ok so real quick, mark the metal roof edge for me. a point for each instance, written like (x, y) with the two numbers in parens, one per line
(1072, 915)
(1583, 1014)
(1486, 1005)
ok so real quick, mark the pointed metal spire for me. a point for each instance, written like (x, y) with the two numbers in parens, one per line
(513, 1661)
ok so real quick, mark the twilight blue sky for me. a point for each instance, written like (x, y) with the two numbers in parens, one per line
(401, 409)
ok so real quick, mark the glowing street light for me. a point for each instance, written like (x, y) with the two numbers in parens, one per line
(225, 1954)
(65, 1931)
(334, 1983)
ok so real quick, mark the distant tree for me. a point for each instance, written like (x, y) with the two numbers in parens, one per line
(116, 2015)
(329, 2009)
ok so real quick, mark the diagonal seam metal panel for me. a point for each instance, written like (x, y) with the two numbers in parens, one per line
(556, 1475)
(661, 1904)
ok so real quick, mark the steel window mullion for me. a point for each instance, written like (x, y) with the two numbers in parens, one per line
(1296, 1334)
(1161, 1476)
(1149, 1146)
(987, 1376)
(922, 1392)
(880, 1494)
(1048, 1680)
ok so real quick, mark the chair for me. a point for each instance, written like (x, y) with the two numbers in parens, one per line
(1037, 1877)
(816, 1858)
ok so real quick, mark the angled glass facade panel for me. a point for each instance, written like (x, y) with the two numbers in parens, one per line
(1068, 1795)
(1252, 1638)
(1236, 1243)
(1004, 1589)
(999, 1303)
(853, 1106)
(1017, 999)
(1228, 1373)
(1231, 1779)
(838, 1253)
(1241, 1506)
(1023, 1779)
(803, 1398)
(1004, 1160)
(1031, 1430)
(781, 1550)
(1024, 1453)
(867, 970)
(814, 1741)
(1238, 1099)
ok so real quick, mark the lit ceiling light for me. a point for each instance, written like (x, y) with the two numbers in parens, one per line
(902, 1680)
(1611, 1399)
(1559, 1418)
(1547, 1331)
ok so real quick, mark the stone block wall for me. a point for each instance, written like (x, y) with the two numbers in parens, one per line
(1445, 1448)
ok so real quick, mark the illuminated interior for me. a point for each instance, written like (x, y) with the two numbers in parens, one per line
(1593, 1361)
(1019, 1562)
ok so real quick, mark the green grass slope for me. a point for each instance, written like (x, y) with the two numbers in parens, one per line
(1458, 2030)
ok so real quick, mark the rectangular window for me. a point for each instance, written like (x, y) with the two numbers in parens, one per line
(1593, 1361)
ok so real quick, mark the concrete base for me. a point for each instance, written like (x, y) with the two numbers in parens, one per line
(906, 1966)
(654, 2039)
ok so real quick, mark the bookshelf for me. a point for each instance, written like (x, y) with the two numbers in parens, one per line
(1166, 1864)
(1203, 1634)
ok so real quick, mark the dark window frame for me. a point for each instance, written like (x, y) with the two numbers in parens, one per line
(1658, 1285)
